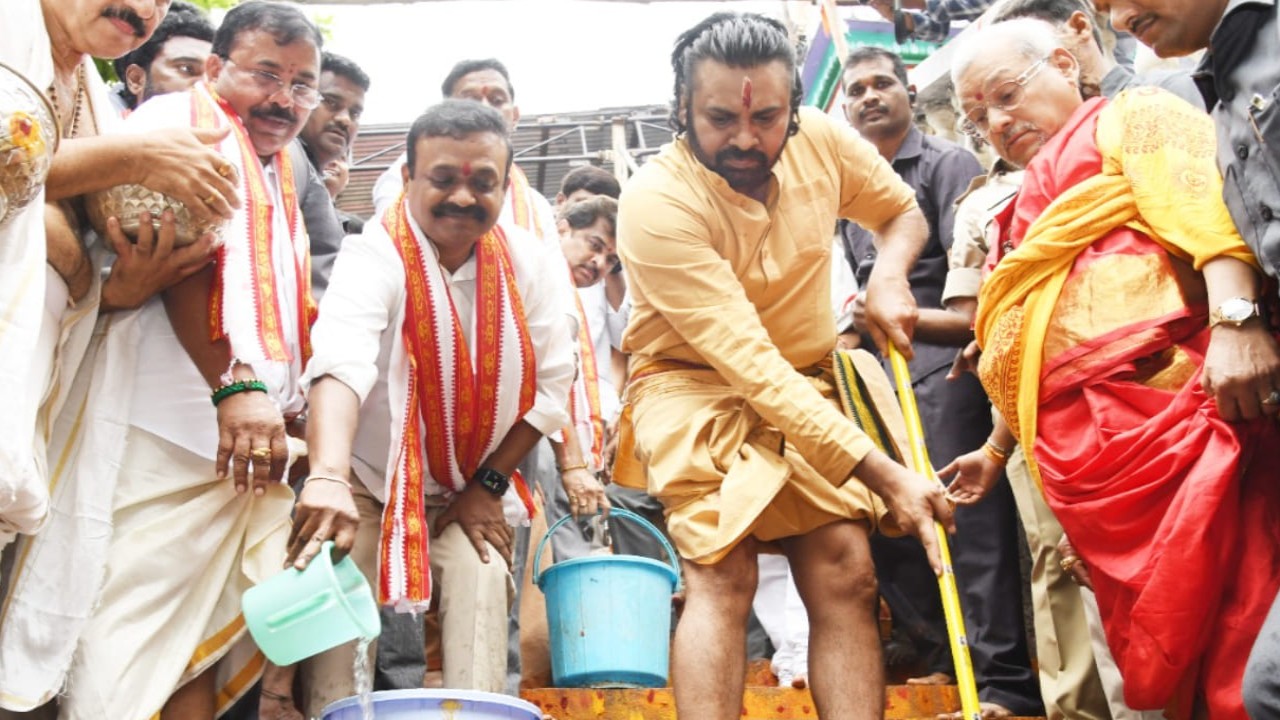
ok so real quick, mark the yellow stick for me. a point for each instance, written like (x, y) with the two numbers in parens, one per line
(947, 580)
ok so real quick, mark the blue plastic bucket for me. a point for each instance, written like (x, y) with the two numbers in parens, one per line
(609, 616)
(435, 705)
(296, 614)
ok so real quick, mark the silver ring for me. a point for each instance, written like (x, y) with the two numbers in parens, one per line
(1272, 399)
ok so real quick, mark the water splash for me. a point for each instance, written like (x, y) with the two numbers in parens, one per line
(364, 679)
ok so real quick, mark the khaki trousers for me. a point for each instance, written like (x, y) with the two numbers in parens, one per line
(473, 600)
(1069, 678)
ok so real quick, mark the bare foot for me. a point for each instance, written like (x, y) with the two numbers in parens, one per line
(990, 711)
(433, 679)
(937, 678)
(274, 708)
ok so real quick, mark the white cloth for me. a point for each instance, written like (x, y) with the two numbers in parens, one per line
(55, 582)
(844, 288)
(43, 338)
(595, 306)
(168, 383)
(25, 370)
(781, 612)
(358, 340)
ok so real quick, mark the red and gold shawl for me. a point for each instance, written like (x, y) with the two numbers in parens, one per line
(1094, 330)
(249, 265)
(462, 399)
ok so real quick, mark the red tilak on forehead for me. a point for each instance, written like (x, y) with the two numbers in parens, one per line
(979, 97)
(746, 93)
(466, 168)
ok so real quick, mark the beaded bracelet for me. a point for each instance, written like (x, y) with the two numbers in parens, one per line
(234, 388)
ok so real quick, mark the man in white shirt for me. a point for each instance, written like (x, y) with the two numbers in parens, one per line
(414, 304)
(198, 510)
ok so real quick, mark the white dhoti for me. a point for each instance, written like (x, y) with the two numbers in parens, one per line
(184, 549)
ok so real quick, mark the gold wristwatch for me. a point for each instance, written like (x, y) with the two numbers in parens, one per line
(1234, 311)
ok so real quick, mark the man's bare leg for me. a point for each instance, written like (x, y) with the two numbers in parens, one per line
(709, 665)
(837, 581)
(194, 701)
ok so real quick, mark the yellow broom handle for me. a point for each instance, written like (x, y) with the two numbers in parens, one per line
(947, 580)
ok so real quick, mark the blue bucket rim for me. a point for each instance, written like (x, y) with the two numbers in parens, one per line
(601, 559)
(436, 694)
(674, 559)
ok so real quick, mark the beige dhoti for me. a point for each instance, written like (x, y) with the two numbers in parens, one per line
(723, 473)
(184, 549)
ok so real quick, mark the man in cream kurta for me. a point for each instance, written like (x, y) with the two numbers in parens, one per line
(726, 240)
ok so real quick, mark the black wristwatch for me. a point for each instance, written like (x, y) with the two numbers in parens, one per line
(492, 480)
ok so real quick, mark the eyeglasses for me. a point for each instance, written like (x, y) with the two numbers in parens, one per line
(1007, 96)
(304, 96)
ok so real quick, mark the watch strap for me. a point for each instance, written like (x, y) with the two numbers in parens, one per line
(493, 481)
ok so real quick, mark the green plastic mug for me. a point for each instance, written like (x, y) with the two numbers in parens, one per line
(300, 613)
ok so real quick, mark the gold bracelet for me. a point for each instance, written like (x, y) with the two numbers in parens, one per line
(1003, 451)
(327, 478)
(567, 468)
(994, 453)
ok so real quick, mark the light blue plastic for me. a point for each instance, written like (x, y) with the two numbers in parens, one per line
(296, 614)
(609, 616)
(440, 704)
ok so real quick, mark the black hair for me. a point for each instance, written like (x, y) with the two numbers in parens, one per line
(594, 180)
(457, 119)
(466, 67)
(344, 67)
(585, 213)
(741, 40)
(285, 24)
(182, 20)
(867, 53)
(1054, 12)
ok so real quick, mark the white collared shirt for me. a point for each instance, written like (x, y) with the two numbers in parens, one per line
(358, 338)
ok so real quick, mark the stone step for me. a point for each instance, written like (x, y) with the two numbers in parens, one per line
(902, 702)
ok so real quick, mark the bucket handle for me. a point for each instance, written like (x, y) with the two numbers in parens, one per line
(672, 558)
(365, 631)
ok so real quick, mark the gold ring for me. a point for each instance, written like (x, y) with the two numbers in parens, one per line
(261, 453)
(213, 197)
(225, 169)
(1068, 563)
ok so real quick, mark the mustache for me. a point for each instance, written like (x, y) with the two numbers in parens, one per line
(274, 112)
(333, 126)
(874, 108)
(1014, 131)
(129, 16)
(474, 212)
(732, 153)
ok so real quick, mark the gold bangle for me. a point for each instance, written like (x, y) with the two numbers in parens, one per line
(1003, 451)
(326, 478)
(994, 455)
(567, 468)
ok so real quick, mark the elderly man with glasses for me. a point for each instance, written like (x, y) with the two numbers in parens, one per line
(201, 383)
(1122, 343)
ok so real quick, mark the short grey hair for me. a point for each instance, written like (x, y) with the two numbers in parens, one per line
(1033, 39)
